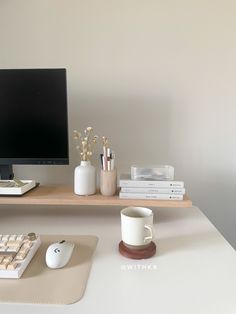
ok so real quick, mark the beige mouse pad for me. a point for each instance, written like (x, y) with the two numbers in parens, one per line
(39, 284)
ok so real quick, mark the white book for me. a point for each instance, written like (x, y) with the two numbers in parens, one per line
(154, 190)
(125, 181)
(145, 196)
(9, 187)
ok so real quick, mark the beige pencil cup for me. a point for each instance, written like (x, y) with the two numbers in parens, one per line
(108, 182)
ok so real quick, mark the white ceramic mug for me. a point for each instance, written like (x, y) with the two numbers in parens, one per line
(136, 226)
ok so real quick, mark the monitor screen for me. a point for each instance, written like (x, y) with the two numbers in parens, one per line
(33, 116)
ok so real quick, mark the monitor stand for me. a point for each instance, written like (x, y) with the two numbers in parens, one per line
(6, 172)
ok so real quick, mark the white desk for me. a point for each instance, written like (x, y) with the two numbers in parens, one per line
(194, 271)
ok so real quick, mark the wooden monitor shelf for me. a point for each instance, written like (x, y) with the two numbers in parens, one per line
(63, 195)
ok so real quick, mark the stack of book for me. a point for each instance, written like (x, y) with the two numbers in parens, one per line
(150, 189)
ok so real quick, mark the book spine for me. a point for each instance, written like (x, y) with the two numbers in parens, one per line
(144, 196)
(151, 184)
(153, 190)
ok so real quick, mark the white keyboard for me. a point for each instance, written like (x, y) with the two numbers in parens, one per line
(16, 252)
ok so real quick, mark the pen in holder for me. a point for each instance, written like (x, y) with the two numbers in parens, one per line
(108, 176)
(108, 182)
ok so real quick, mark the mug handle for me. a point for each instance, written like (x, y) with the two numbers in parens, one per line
(149, 228)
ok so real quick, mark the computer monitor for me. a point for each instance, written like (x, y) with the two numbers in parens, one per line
(33, 118)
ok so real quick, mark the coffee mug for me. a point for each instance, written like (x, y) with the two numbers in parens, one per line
(136, 226)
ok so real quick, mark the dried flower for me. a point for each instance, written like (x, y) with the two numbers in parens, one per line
(86, 143)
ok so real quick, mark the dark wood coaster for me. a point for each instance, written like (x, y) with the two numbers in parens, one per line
(146, 252)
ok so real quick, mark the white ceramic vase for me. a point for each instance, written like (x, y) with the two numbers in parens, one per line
(85, 179)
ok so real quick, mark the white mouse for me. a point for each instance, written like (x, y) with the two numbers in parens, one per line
(58, 254)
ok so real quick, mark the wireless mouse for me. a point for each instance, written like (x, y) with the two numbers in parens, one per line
(58, 254)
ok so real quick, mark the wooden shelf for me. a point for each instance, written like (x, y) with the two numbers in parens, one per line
(63, 195)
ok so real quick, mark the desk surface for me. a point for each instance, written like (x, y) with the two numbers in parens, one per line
(193, 272)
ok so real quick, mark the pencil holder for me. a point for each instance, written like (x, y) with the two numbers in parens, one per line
(108, 182)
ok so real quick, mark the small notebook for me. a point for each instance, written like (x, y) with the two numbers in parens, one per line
(16, 187)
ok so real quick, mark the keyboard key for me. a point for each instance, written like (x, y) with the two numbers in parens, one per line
(8, 259)
(12, 265)
(5, 237)
(20, 237)
(21, 254)
(27, 244)
(5, 262)
(3, 266)
(13, 249)
(14, 243)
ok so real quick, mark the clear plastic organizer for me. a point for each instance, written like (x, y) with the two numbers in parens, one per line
(159, 172)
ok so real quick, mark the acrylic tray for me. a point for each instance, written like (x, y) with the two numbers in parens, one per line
(159, 172)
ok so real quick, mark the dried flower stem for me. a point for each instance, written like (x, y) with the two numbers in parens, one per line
(86, 144)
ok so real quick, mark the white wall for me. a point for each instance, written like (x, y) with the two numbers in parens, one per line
(156, 77)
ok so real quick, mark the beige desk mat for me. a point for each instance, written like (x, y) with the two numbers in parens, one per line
(39, 284)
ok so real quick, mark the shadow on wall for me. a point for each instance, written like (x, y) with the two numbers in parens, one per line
(215, 195)
(136, 127)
